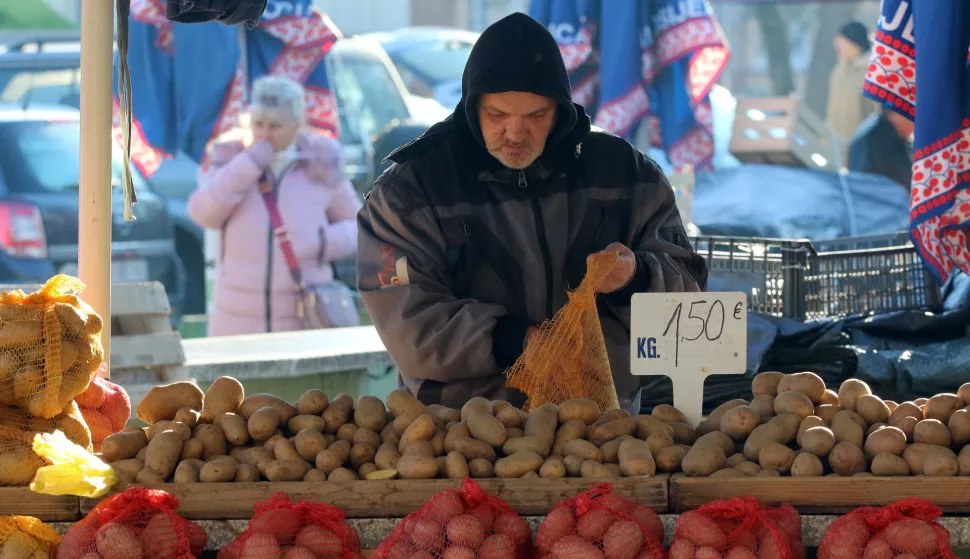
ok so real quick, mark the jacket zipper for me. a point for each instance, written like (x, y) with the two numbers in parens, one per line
(599, 229)
(543, 242)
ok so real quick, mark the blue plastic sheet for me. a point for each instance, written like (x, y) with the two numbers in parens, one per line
(794, 203)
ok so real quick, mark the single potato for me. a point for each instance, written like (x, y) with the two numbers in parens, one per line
(808, 384)
(850, 392)
(766, 383)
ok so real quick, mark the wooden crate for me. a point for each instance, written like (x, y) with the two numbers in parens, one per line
(393, 499)
(49, 508)
(781, 131)
(822, 495)
(145, 349)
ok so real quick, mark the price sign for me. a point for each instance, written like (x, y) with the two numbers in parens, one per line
(688, 336)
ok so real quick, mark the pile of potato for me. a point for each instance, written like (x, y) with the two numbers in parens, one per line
(224, 436)
(792, 426)
(795, 426)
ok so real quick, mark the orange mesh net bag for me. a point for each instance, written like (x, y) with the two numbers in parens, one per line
(738, 528)
(50, 346)
(466, 524)
(567, 357)
(105, 406)
(597, 523)
(137, 524)
(301, 530)
(27, 537)
(906, 529)
(18, 462)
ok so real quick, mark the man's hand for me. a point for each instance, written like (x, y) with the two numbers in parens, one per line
(530, 333)
(626, 267)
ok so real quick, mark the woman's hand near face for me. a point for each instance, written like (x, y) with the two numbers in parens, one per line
(262, 153)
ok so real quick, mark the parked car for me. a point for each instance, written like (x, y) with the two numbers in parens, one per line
(371, 100)
(39, 175)
(429, 59)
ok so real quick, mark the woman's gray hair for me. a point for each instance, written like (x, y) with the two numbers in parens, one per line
(278, 93)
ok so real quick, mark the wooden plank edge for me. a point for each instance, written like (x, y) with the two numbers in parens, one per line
(822, 495)
(49, 508)
(393, 498)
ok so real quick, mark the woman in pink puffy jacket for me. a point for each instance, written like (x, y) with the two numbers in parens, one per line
(254, 292)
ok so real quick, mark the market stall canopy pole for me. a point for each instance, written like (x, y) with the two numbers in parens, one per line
(94, 219)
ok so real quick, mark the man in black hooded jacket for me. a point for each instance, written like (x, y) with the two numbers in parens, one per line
(481, 226)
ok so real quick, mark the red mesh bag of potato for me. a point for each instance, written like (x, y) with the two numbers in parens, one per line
(738, 528)
(137, 524)
(105, 406)
(301, 530)
(597, 524)
(906, 529)
(465, 524)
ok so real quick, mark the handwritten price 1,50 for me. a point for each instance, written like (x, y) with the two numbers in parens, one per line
(710, 325)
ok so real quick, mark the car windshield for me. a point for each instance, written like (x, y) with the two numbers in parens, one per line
(365, 86)
(45, 156)
(436, 61)
(50, 86)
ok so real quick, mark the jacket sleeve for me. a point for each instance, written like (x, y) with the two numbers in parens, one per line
(666, 262)
(221, 189)
(403, 279)
(340, 237)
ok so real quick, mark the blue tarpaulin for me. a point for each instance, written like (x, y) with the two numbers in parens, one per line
(660, 60)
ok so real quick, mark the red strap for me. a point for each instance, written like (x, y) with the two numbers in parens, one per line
(279, 230)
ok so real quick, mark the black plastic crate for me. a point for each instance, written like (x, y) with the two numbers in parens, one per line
(805, 280)
(863, 242)
(869, 280)
(770, 271)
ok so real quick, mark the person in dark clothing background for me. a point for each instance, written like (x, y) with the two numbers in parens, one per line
(847, 108)
(480, 227)
(883, 146)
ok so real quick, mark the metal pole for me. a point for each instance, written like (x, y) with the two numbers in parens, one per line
(94, 219)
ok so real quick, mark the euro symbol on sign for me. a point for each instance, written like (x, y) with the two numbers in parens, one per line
(737, 311)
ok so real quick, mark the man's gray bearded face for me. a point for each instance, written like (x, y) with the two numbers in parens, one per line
(515, 126)
(515, 155)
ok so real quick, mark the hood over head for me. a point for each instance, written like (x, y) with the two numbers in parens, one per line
(517, 53)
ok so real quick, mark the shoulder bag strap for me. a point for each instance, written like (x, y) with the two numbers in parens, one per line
(279, 229)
